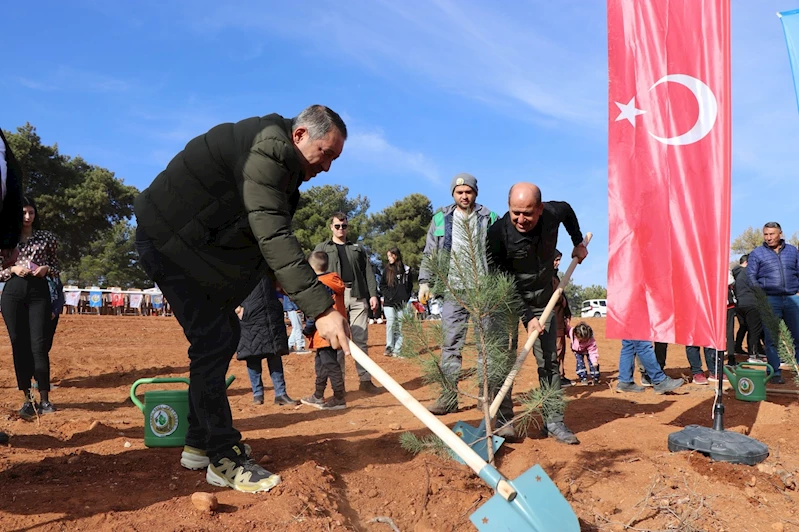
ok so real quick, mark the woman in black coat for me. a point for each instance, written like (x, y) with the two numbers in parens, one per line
(263, 335)
(396, 287)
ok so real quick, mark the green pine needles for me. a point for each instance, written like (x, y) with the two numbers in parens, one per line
(490, 298)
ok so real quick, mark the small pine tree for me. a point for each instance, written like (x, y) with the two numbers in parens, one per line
(493, 304)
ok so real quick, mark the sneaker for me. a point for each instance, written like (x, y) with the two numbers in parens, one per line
(313, 401)
(699, 378)
(753, 359)
(583, 382)
(713, 378)
(646, 382)
(668, 385)
(28, 411)
(388, 352)
(564, 382)
(46, 407)
(302, 351)
(194, 458)
(508, 432)
(285, 400)
(629, 387)
(241, 473)
(369, 387)
(595, 381)
(257, 399)
(334, 403)
(777, 379)
(443, 407)
(561, 433)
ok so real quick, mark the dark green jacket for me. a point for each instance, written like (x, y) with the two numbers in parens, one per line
(221, 211)
(364, 284)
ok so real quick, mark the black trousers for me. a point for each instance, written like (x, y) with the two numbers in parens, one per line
(26, 310)
(328, 366)
(213, 334)
(754, 327)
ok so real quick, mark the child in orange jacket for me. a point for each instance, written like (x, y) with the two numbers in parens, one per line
(328, 361)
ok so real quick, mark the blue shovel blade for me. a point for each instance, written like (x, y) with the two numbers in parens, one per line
(539, 507)
(475, 438)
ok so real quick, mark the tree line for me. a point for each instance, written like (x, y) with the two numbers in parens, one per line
(90, 209)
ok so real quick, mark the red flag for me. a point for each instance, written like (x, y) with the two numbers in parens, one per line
(669, 170)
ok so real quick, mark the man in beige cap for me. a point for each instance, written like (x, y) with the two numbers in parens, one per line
(445, 235)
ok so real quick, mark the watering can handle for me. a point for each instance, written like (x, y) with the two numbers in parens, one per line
(471, 458)
(156, 380)
(528, 346)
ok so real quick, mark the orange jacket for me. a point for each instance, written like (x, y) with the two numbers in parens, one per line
(336, 288)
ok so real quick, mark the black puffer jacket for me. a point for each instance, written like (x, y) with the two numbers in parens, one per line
(743, 289)
(263, 331)
(221, 212)
(530, 256)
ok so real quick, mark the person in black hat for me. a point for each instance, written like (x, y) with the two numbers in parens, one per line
(444, 236)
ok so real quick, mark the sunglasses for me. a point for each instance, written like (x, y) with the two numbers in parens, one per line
(341, 226)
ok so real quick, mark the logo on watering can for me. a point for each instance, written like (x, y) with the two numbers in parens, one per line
(746, 386)
(163, 420)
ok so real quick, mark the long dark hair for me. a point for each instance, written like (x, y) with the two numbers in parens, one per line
(392, 270)
(28, 202)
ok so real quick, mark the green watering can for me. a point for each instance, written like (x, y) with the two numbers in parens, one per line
(166, 412)
(750, 384)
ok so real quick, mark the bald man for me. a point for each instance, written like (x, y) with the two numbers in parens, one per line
(523, 244)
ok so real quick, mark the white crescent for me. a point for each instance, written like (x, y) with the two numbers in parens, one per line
(708, 110)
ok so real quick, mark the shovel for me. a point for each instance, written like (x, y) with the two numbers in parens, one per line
(531, 502)
(477, 438)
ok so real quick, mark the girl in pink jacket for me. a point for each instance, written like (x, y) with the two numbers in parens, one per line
(581, 338)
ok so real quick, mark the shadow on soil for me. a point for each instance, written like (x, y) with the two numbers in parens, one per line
(121, 378)
(113, 483)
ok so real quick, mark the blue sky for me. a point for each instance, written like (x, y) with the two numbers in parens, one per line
(428, 89)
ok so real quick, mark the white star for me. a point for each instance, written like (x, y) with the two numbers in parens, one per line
(628, 111)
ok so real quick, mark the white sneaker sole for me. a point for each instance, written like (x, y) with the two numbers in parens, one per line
(215, 480)
(196, 462)
(309, 403)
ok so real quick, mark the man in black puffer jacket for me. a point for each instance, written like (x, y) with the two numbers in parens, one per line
(523, 244)
(210, 227)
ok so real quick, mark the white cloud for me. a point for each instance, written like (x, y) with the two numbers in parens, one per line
(65, 78)
(372, 147)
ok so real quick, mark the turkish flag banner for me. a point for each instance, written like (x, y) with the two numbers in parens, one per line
(669, 170)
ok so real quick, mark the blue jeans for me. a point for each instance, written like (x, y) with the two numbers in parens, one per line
(393, 328)
(646, 355)
(786, 308)
(296, 340)
(692, 353)
(275, 365)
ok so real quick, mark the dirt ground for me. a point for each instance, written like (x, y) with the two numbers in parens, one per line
(86, 467)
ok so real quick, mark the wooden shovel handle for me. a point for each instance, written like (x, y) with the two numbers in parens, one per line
(528, 346)
(467, 454)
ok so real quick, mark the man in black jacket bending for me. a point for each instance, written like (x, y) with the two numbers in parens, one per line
(523, 243)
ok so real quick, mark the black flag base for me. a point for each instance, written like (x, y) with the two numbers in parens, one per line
(717, 443)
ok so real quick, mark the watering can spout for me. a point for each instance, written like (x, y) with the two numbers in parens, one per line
(730, 373)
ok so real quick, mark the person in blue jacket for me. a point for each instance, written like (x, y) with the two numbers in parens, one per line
(774, 268)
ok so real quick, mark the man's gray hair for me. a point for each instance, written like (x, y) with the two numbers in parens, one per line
(773, 225)
(319, 120)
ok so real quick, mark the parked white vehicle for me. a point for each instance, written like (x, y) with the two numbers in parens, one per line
(594, 308)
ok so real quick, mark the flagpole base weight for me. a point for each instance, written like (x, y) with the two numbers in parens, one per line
(719, 445)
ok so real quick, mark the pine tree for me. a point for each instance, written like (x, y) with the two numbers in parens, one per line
(491, 298)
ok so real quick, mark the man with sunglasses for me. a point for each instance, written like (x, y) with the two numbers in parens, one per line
(351, 262)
